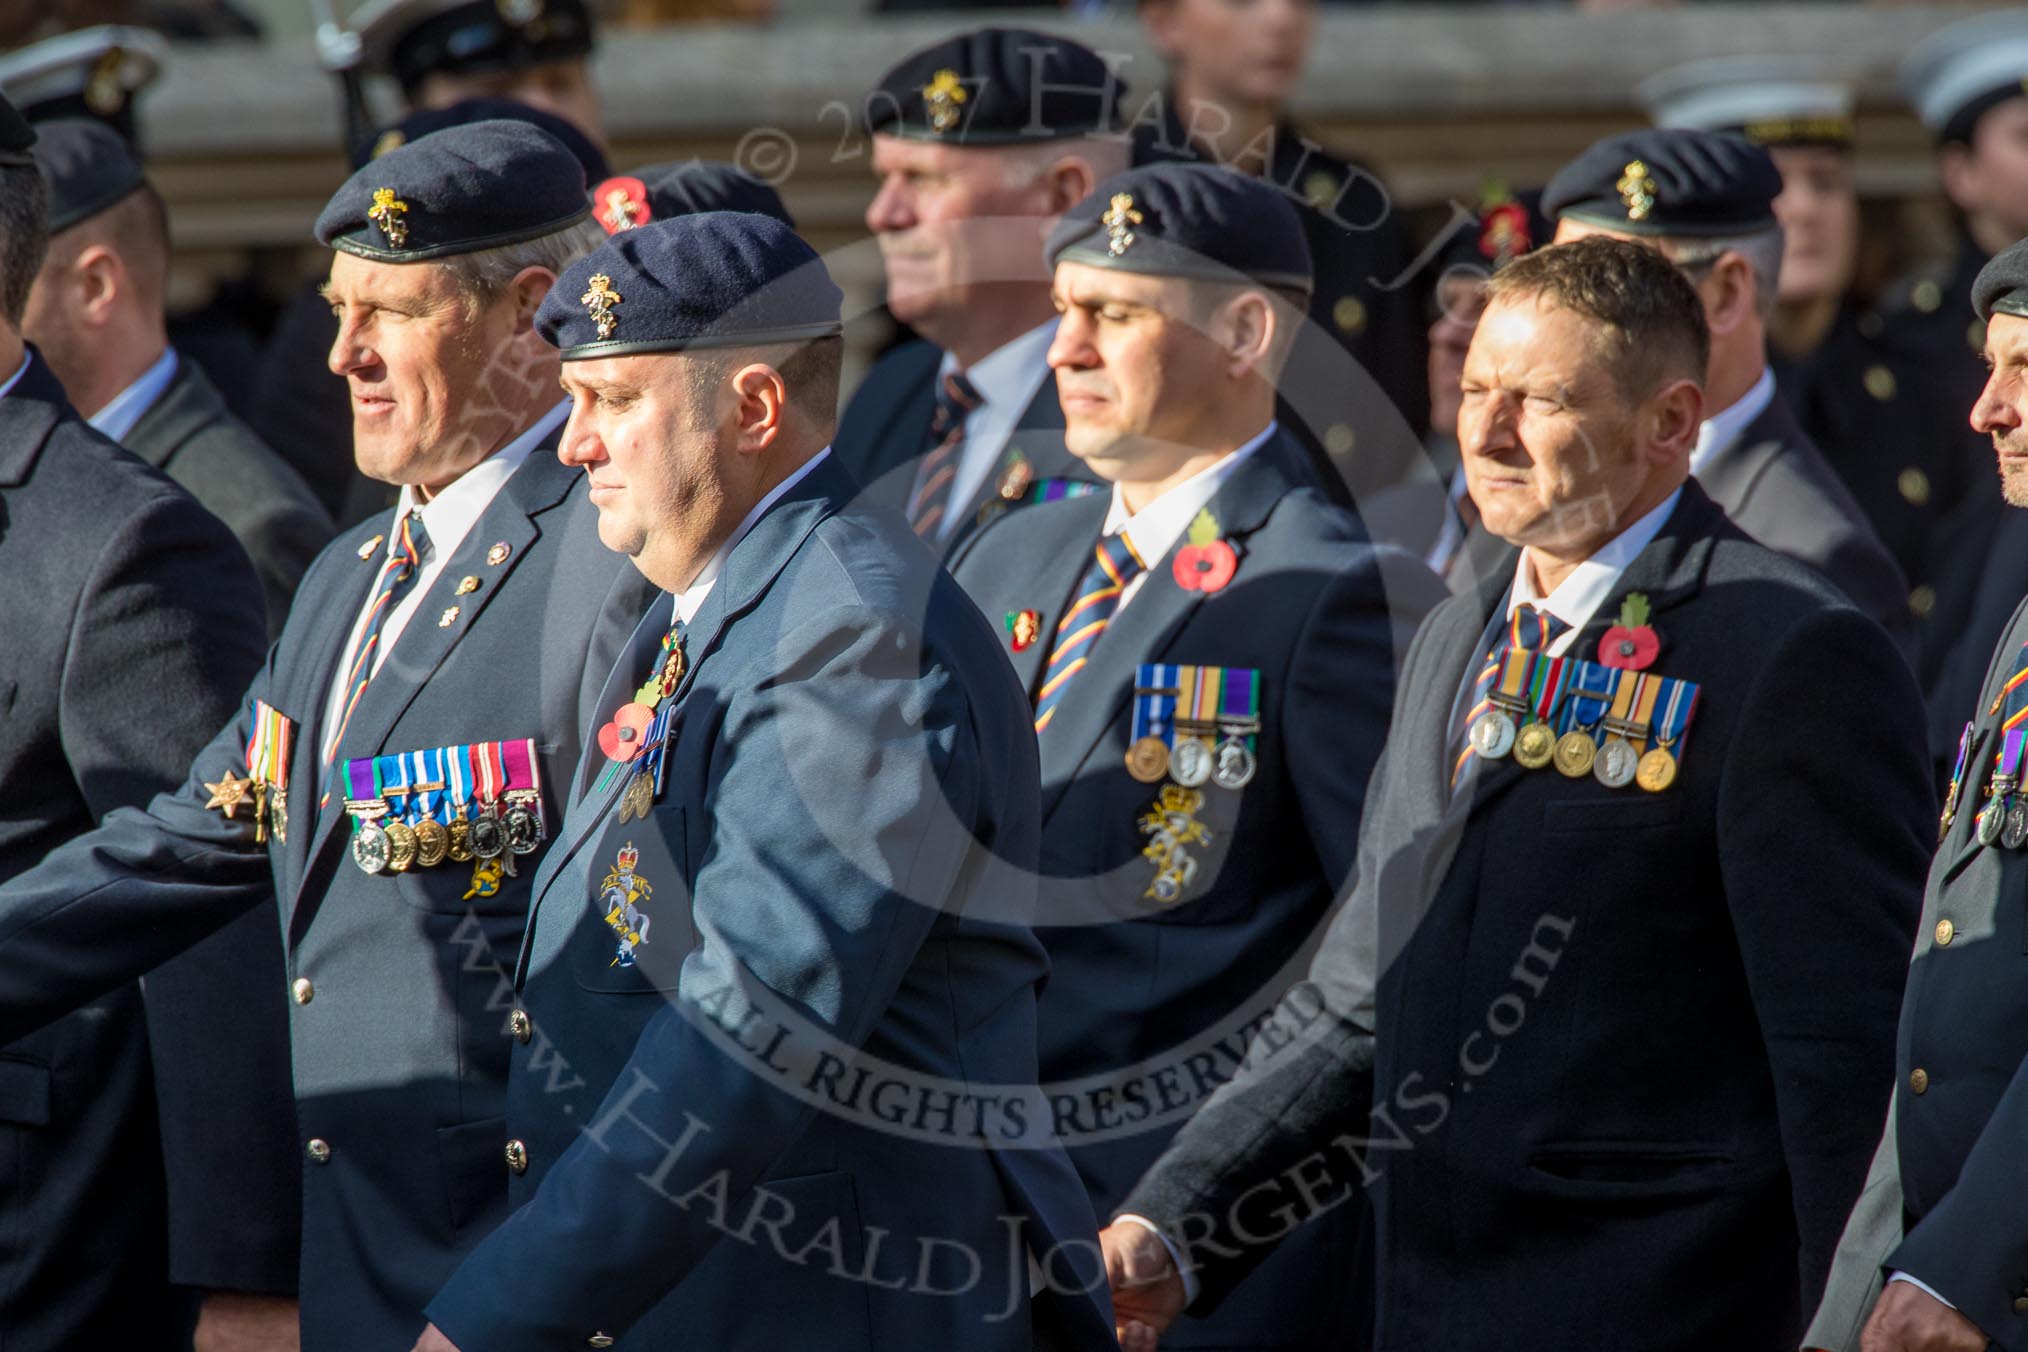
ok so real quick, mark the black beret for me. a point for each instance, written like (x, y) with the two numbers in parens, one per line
(412, 39)
(715, 279)
(423, 121)
(2002, 285)
(1668, 181)
(656, 192)
(997, 87)
(1183, 219)
(1508, 225)
(88, 167)
(457, 191)
(16, 136)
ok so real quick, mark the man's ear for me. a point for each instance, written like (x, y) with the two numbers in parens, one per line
(1731, 295)
(1674, 414)
(761, 406)
(528, 288)
(99, 278)
(1068, 182)
(1247, 329)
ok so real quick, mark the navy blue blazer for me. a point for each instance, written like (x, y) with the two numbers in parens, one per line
(130, 621)
(1632, 1047)
(883, 432)
(738, 1131)
(1149, 1005)
(398, 981)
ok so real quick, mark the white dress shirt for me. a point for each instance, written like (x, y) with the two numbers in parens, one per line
(447, 519)
(1579, 595)
(691, 598)
(1722, 430)
(1154, 530)
(7, 386)
(1007, 380)
(119, 415)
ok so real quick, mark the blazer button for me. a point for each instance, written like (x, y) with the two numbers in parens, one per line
(600, 1340)
(517, 1157)
(519, 1024)
(2021, 1305)
(319, 1150)
(303, 990)
(1945, 932)
(1918, 1080)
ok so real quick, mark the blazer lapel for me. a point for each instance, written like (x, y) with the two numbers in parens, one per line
(1730, 478)
(1038, 440)
(183, 410)
(28, 414)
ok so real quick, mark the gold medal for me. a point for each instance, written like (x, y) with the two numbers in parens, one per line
(1148, 759)
(1535, 746)
(400, 846)
(460, 847)
(1657, 772)
(1575, 751)
(432, 842)
(228, 793)
(639, 798)
(278, 812)
(1020, 475)
(260, 800)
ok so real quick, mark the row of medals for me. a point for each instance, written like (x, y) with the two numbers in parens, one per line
(1613, 763)
(396, 847)
(2000, 819)
(1193, 761)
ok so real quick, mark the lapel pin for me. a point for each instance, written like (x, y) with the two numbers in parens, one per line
(366, 550)
(497, 555)
(448, 618)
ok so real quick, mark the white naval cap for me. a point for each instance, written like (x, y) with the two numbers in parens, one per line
(1770, 100)
(1957, 73)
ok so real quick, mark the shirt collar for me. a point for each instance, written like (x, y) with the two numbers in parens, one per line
(1723, 429)
(1009, 375)
(1579, 595)
(691, 599)
(454, 510)
(1155, 529)
(7, 385)
(120, 414)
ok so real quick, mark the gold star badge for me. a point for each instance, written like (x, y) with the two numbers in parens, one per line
(228, 793)
(599, 302)
(387, 212)
(942, 96)
(1119, 221)
(1637, 191)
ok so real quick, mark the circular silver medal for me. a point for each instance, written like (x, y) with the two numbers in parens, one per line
(2015, 833)
(524, 831)
(489, 841)
(1617, 764)
(369, 848)
(1190, 762)
(1493, 734)
(1992, 819)
(1235, 764)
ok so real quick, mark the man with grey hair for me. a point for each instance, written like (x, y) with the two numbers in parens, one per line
(1706, 201)
(979, 144)
(411, 736)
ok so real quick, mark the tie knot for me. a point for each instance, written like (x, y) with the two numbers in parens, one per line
(1534, 628)
(415, 538)
(1116, 555)
(956, 397)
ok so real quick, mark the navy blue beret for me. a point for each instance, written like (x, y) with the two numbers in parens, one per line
(477, 186)
(2002, 285)
(1185, 219)
(413, 39)
(715, 279)
(423, 121)
(16, 136)
(88, 167)
(997, 87)
(655, 192)
(1669, 181)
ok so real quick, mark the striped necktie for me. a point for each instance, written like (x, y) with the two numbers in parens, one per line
(1528, 627)
(1114, 565)
(404, 561)
(938, 469)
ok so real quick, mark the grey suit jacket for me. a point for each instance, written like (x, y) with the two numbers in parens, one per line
(189, 435)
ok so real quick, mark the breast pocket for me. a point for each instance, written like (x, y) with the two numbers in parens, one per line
(1649, 811)
(633, 931)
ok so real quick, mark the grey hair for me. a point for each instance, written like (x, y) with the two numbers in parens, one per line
(1761, 250)
(484, 275)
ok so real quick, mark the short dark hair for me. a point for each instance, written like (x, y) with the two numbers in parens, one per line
(1651, 319)
(24, 235)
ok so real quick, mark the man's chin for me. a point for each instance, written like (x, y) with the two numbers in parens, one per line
(2014, 484)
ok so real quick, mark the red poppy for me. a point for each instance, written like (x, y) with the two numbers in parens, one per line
(1503, 232)
(621, 739)
(1629, 649)
(1206, 567)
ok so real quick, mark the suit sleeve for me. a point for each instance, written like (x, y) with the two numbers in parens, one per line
(1828, 753)
(810, 905)
(1873, 1230)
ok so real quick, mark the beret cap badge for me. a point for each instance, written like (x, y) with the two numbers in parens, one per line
(1637, 191)
(519, 11)
(599, 301)
(623, 205)
(387, 212)
(942, 97)
(1119, 221)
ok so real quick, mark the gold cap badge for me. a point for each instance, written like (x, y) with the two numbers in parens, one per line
(104, 92)
(1119, 221)
(599, 302)
(941, 96)
(519, 11)
(387, 212)
(1637, 191)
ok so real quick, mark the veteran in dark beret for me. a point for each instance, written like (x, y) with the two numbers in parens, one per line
(979, 143)
(442, 52)
(1594, 1028)
(1941, 1219)
(1706, 201)
(811, 816)
(1212, 563)
(129, 621)
(391, 777)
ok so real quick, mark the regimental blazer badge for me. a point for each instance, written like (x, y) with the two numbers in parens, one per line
(622, 895)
